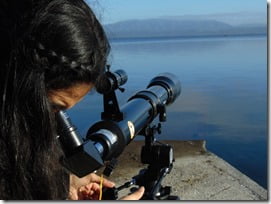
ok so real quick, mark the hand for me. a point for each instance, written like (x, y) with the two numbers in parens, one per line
(89, 192)
(136, 195)
(86, 187)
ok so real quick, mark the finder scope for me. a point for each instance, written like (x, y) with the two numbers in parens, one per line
(111, 80)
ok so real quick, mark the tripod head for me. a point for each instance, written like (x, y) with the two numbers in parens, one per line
(159, 158)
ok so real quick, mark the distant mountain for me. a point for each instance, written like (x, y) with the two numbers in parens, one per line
(165, 27)
(233, 18)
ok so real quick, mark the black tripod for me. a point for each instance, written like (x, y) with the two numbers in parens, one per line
(159, 158)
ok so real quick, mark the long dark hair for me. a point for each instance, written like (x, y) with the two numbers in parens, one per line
(47, 44)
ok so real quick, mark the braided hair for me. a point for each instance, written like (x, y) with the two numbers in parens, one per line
(47, 45)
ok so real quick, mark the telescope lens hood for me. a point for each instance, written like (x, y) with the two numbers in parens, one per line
(170, 82)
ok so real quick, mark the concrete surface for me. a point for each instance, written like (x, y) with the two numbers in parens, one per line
(197, 174)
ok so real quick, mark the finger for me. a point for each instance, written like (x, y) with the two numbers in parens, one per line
(136, 195)
(93, 186)
(106, 182)
(93, 190)
(96, 187)
(90, 194)
(82, 195)
(90, 187)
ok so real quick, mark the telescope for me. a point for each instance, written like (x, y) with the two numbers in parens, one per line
(107, 138)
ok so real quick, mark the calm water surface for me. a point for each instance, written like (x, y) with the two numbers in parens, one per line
(223, 99)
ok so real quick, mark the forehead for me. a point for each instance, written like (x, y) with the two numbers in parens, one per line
(76, 90)
(68, 97)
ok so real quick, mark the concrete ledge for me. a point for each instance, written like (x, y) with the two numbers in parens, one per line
(196, 175)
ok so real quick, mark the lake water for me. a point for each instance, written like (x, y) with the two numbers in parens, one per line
(223, 99)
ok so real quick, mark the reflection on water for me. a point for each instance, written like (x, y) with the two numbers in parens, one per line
(223, 99)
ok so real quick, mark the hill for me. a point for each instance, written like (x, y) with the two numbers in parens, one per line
(165, 27)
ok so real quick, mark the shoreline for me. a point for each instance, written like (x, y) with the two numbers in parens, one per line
(169, 38)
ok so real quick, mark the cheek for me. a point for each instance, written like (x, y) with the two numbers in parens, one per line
(73, 101)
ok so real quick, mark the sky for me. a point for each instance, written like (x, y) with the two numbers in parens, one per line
(110, 11)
